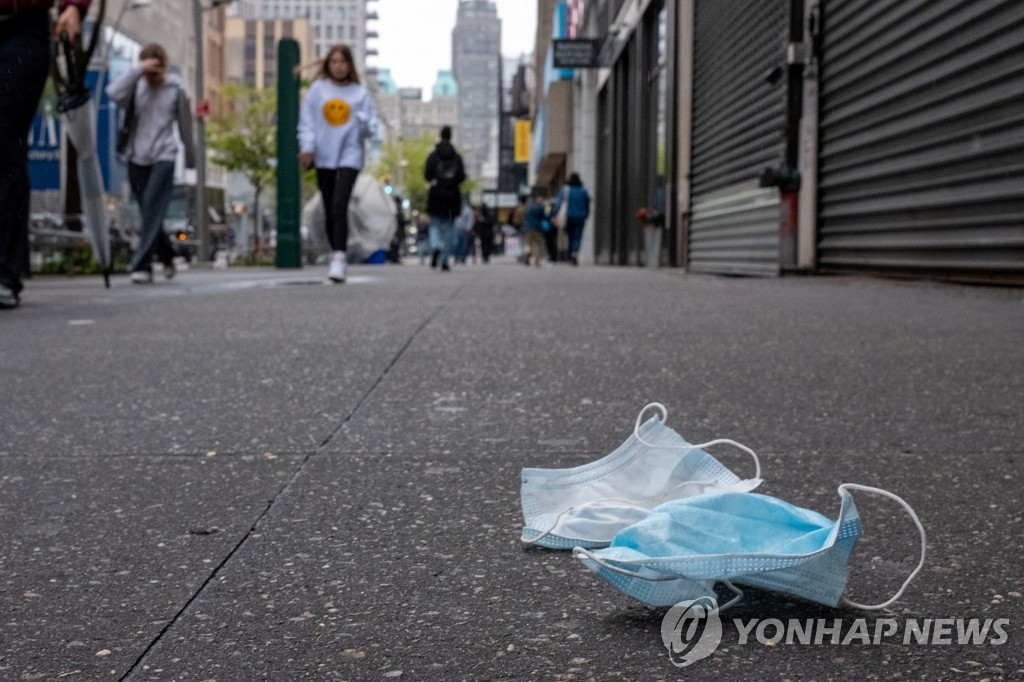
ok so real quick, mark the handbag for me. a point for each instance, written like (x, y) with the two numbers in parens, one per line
(562, 217)
(124, 134)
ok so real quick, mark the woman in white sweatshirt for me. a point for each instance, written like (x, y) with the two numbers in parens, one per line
(336, 117)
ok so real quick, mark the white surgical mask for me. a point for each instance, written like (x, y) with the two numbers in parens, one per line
(586, 506)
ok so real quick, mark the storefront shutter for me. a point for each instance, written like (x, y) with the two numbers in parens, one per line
(922, 137)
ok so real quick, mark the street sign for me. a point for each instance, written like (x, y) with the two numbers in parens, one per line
(575, 53)
(202, 108)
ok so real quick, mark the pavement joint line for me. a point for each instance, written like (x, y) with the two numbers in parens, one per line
(398, 356)
(284, 489)
(216, 571)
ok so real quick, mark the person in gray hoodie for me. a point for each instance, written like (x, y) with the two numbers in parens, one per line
(155, 100)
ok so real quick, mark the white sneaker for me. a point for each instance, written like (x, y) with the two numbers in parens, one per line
(141, 277)
(8, 299)
(337, 271)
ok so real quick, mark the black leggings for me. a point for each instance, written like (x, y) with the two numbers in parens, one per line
(336, 189)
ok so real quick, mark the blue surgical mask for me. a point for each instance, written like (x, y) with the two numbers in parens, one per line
(682, 548)
(586, 506)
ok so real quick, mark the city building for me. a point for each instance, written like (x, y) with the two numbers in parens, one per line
(251, 48)
(476, 65)
(778, 137)
(407, 116)
(332, 22)
(515, 106)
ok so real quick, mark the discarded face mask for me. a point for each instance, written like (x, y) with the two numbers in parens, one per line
(586, 506)
(684, 547)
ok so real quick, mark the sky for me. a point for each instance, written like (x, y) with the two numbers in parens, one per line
(416, 36)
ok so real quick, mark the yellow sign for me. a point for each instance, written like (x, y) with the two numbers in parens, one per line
(522, 142)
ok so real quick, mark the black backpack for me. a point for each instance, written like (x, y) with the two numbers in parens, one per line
(448, 170)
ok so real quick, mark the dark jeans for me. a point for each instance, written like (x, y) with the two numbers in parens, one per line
(152, 187)
(551, 243)
(574, 229)
(24, 64)
(486, 233)
(336, 189)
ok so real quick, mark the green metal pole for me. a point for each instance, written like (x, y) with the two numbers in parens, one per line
(289, 242)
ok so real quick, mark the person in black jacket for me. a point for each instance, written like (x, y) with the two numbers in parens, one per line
(483, 226)
(445, 172)
(24, 65)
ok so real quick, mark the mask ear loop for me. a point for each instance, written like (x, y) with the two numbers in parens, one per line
(698, 446)
(924, 546)
(578, 551)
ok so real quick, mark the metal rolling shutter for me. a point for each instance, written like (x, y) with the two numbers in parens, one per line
(922, 137)
(738, 122)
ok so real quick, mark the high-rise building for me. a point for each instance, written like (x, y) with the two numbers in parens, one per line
(251, 48)
(476, 58)
(407, 116)
(332, 22)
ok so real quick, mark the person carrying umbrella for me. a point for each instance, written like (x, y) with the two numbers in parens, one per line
(25, 56)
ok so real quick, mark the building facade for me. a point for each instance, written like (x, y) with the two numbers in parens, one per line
(779, 136)
(407, 116)
(476, 60)
(332, 22)
(251, 48)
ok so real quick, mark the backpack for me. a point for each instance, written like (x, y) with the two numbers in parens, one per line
(448, 170)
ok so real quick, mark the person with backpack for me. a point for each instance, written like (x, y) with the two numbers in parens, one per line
(154, 101)
(24, 65)
(444, 171)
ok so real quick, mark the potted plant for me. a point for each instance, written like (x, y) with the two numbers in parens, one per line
(653, 223)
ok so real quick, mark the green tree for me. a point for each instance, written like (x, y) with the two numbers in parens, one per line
(245, 139)
(410, 175)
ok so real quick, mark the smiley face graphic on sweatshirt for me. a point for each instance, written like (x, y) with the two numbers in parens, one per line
(337, 112)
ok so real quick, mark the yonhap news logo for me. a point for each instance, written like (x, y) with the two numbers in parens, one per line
(692, 631)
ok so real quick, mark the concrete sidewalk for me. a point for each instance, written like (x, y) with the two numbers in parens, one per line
(246, 475)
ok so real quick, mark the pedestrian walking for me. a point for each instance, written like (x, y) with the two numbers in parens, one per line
(336, 118)
(24, 65)
(154, 101)
(533, 228)
(550, 233)
(577, 201)
(444, 171)
(464, 233)
(423, 237)
(483, 225)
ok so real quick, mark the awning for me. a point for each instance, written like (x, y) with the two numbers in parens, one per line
(549, 168)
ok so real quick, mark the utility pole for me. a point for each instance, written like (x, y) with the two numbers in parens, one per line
(202, 111)
(202, 227)
(201, 224)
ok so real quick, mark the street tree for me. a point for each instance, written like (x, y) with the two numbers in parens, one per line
(409, 176)
(244, 140)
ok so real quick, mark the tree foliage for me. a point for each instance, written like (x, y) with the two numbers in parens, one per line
(410, 177)
(245, 139)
